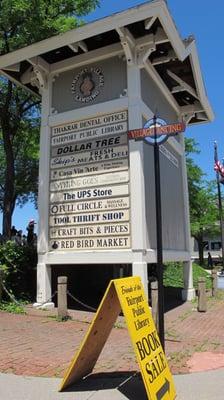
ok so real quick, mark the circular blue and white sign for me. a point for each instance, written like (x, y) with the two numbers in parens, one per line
(152, 139)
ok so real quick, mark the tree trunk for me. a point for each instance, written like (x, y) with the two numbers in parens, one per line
(9, 189)
(9, 192)
(9, 197)
(201, 252)
(200, 242)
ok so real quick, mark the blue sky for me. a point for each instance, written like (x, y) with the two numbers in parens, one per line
(204, 20)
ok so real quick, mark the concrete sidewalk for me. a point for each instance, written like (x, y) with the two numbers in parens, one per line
(120, 386)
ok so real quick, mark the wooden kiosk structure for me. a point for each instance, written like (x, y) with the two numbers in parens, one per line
(96, 189)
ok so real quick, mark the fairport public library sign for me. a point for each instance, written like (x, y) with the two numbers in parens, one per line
(96, 187)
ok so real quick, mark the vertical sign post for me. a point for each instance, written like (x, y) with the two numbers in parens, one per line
(156, 132)
(159, 237)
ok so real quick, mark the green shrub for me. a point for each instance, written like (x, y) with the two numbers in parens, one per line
(13, 308)
(173, 275)
(199, 272)
(18, 264)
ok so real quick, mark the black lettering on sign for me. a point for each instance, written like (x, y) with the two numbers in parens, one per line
(147, 345)
(155, 367)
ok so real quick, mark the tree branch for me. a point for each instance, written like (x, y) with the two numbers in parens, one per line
(29, 106)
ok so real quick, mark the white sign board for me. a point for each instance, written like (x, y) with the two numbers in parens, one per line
(87, 206)
(90, 218)
(78, 127)
(89, 181)
(100, 168)
(95, 230)
(88, 157)
(89, 185)
(85, 194)
(88, 134)
(113, 242)
(101, 143)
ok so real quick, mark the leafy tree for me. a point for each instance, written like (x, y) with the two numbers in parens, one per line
(202, 199)
(23, 22)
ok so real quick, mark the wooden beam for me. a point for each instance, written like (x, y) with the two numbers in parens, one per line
(75, 46)
(149, 22)
(128, 43)
(14, 67)
(87, 58)
(192, 108)
(18, 83)
(164, 59)
(182, 83)
(159, 38)
(27, 75)
(159, 82)
(40, 62)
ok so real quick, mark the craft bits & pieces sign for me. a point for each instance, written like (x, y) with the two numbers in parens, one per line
(89, 184)
(95, 230)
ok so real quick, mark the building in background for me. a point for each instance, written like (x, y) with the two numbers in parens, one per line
(97, 190)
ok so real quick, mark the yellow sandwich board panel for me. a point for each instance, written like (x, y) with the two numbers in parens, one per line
(153, 365)
(126, 294)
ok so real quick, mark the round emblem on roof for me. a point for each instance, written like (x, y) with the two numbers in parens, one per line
(87, 84)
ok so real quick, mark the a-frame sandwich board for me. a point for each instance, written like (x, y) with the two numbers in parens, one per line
(125, 294)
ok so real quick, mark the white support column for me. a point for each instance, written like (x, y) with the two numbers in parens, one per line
(139, 268)
(44, 286)
(188, 293)
(137, 186)
(43, 192)
(44, 270)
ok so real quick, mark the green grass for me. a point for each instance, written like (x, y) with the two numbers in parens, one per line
(12, 308)
(173, 275)
(199, 272)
